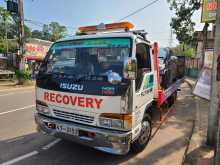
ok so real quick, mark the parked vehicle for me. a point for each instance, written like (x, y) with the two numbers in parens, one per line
(5, 73)
(100, 87)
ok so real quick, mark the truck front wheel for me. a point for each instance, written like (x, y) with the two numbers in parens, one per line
(144, 137)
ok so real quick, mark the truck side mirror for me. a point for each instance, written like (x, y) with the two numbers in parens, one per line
(130, 69)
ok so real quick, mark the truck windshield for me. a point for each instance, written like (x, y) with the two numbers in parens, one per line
(88, 57)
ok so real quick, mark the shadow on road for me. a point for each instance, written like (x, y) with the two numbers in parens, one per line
(68, 153)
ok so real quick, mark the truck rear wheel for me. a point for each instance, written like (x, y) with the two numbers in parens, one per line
(144, 137)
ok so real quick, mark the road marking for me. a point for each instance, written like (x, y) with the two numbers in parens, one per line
(15, 89)
(15, 139)
(6, 94)
(19, 109)
(20, 158)
(46, 147)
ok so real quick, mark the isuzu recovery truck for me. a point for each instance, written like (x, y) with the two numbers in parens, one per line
(99, 88)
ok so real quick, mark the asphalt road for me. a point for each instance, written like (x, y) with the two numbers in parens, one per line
(20, 144)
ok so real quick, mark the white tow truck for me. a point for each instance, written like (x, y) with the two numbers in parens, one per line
(99, 88)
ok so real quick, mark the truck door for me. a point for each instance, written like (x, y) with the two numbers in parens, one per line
(144, 83)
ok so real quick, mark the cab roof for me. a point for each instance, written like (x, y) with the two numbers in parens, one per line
(101, 35)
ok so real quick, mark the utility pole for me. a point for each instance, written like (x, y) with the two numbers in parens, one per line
(216, 80)
(21, 33)
(215, 88)
(205, 38)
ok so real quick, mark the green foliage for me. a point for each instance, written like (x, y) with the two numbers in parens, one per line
(23, 75)
(57, 31)
(4, 14)
(51, 32)
(46, 32)
(27, 32)
(12, 46)
(184, 50)
(9, 32)
(190, 52)
(182, 23)
(37, 34)
(9, 29)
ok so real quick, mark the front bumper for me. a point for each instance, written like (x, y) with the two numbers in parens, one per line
(114, 142)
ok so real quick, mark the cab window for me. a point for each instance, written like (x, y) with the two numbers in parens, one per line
(143, 63)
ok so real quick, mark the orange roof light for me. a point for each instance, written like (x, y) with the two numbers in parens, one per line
(106, 27)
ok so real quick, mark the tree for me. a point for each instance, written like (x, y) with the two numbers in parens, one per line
(52, 32)
(27, 32)
(5, 20)
(182, 24)
(9, 32)
(37, 34)
(46, 32)
(12, 46)
(56, 31)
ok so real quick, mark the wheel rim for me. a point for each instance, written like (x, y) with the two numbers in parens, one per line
(145, 132)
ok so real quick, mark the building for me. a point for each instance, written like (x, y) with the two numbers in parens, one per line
(197, 42)
(3, 62)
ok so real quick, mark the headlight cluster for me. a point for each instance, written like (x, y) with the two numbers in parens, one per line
(117, 121)
(42, 108)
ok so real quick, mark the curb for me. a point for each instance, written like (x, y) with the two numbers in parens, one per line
(196, 140)
(16, 88)
(188, 143)
(191, 85)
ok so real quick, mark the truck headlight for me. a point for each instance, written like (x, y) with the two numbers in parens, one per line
(42, 108)
(118, 121)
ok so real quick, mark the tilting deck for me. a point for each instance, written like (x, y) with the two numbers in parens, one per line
(173, 88)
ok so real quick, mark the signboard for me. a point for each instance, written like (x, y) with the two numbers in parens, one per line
(79, 103)
(203, 85)
(35, 50)
(209, 8)
(208, 58)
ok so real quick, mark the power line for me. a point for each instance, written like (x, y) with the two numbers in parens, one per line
(138, 10)
(41, 24)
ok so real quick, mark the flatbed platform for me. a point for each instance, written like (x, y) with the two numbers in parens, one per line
(173, 88)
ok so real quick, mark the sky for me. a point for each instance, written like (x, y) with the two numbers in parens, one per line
(154, 20)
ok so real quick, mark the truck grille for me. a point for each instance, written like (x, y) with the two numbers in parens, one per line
(74, 117)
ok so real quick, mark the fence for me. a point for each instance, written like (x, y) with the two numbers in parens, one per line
(193, 66)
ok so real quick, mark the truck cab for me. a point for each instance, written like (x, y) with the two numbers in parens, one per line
(97, 89)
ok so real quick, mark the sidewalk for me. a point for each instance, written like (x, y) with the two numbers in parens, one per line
(198, 152)
(12, 84)
(169, 144)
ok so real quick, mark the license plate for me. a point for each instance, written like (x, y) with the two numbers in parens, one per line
(67, 129)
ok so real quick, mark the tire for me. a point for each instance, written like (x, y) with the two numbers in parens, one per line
(139, 144)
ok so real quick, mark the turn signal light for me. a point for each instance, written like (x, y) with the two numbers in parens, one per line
(116, 120)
